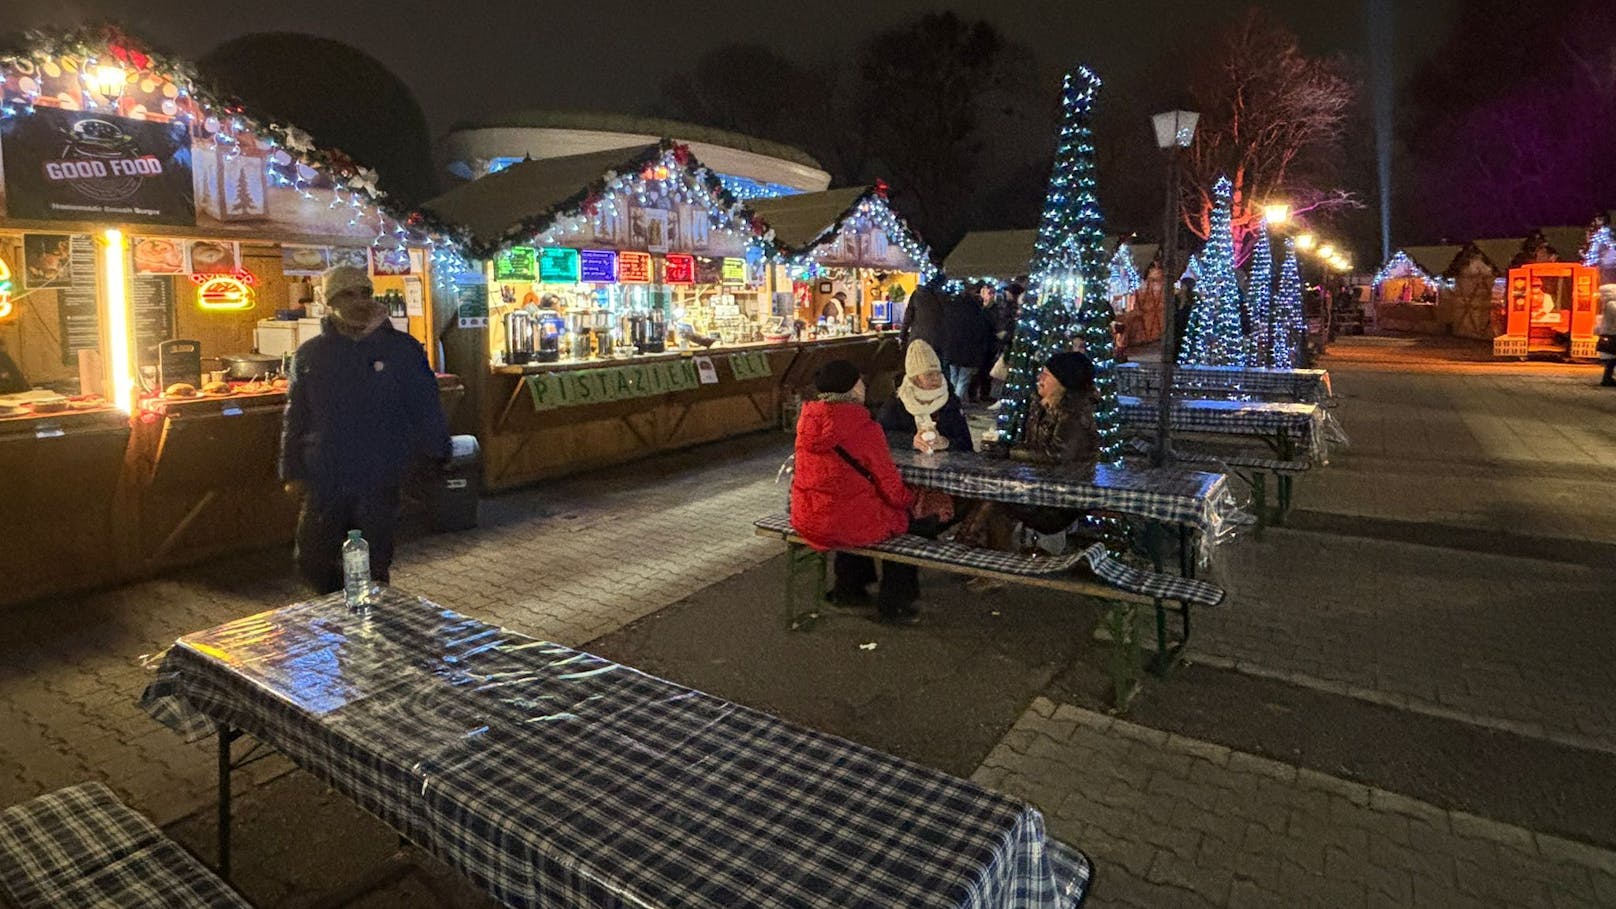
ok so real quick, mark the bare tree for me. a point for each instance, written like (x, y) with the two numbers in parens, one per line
(1272, 119)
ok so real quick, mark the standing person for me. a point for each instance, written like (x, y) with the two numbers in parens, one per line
(363, 403)
(923, 316)
(846, 492)
(1005, 337)
(1183, 305)
(1605, 328)
(967, 336)
(982, 384)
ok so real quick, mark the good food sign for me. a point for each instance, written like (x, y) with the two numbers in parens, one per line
(69, 165)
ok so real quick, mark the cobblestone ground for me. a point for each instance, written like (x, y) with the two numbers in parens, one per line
(1177, 822)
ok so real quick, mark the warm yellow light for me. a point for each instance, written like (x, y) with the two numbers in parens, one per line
(6, 308)
(110, 80)
(1326, 251)
(1305, 242)
(1277, 213)
(114, 284)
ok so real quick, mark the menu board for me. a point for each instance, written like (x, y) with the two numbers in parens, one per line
(633, 267)
(152, 297)
(515, 264)
(708, 270)
(678, 268)
(75, 303)
(597, 266)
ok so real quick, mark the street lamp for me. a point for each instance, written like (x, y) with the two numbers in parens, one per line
(1305, 242)
(1175, 130)
(109, 80)
(1326, 252)
(1276, 213)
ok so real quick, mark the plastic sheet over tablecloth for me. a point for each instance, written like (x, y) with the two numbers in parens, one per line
(551, 777)
(1310, 386)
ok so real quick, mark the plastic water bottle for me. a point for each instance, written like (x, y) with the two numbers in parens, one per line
(356, 572)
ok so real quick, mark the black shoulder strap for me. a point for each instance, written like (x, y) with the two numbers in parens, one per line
(853, 463)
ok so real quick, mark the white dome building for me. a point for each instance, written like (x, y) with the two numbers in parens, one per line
(749, 168)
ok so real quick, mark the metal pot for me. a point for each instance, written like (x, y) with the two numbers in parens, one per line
(249, 366)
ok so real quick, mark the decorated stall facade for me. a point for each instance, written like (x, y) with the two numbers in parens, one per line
(1405, 292)
(152, 229)
(616, 305)
(849, 260)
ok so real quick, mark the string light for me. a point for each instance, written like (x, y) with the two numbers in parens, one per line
(1260, 293)
(1215, 336)
(1287, 329)
(1600, 246)
(1125, 278)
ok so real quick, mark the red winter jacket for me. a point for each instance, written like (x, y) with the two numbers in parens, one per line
(833, 506)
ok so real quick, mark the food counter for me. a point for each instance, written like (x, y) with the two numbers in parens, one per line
(548, 420)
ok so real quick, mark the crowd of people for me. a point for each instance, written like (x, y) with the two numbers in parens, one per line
(847, 492)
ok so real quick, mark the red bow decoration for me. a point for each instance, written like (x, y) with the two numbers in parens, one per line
(881, 188)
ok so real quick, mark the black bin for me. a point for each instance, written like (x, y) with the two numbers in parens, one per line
(452, 500)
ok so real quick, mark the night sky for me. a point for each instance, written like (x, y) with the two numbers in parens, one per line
(488, 56)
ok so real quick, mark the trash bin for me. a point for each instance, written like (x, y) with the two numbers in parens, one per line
(453, 498)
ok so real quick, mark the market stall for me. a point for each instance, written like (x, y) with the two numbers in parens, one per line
(849, 260)
(1551, 309)
(163, 244)
(620, 304)
(1405, 292)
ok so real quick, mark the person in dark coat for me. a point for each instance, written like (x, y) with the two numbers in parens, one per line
(362, 406)
(967, 338)
(924, 404)
(846, 492)
(923, 317)
(993, 309)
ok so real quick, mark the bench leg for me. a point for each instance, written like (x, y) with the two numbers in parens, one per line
(226, 734)
(1284, 482)
(1259, 500)
(798, 554)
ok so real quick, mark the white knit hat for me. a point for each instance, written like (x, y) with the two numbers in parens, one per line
(343, 277)
(921, 359)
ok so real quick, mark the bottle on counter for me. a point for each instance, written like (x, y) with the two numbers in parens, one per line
(356, 588)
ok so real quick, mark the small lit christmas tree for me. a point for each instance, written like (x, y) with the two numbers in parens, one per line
(1216, 336)
(1599, 250)
(1070, 277)
(1287, 330)
(1260, 299)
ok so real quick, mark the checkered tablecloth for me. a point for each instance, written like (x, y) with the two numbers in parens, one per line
(1310, 427)
(1309, 386)
(1173, 495)
(553, 778)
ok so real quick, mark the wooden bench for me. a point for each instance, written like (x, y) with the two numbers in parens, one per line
(1104, 578)
(81, 847)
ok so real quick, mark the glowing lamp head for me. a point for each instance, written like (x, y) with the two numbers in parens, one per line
(1276, 213)
(1326, 251)
(110, 80)
(1305, 242)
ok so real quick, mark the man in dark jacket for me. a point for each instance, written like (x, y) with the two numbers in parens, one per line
(967, 338)
(923, 317)
(363, 404)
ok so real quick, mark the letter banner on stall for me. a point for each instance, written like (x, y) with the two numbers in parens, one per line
(551, 390)
(71, 165)
(752, 364)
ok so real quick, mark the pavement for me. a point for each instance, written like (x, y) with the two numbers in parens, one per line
(1405, 701)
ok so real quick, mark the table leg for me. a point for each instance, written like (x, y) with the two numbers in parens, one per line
(227, 734)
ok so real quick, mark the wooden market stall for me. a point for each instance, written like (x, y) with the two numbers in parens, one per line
(1405, 292)
(163, 242)
(1551, 309)
(620, 305)
(849, 259)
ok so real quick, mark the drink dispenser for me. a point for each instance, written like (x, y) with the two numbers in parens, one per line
(651, 331)
(550, 328)
(601, 326)
(520, 338)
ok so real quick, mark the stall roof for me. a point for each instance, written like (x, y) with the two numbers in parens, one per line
(500, 202)
(1499, 251)
(1567, 241)
(1003, 254)
(1433, 260)
(799, 220)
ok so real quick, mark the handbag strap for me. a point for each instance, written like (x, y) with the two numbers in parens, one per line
(854, 463)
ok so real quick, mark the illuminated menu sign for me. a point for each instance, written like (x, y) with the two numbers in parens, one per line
(633, 267)
(678, 268)
(734, 270)
(708, 270)
(516, 264)
(558, 265)
(597, 266)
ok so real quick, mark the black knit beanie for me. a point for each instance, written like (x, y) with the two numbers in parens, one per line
(836, 377)
(1073, 370)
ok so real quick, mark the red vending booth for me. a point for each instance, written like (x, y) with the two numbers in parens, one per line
(1550, 309)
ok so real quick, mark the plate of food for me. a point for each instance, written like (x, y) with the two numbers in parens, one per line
(211, 257)
(180, 390)
(157, 256)
(217, 390)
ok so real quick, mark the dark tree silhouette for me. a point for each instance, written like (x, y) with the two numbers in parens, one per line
(341, 96)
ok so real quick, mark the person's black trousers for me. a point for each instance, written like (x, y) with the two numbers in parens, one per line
(900, 582)
(323, 525)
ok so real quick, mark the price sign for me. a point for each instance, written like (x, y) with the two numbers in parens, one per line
(558, 265)
(678, 268)
(633, 267)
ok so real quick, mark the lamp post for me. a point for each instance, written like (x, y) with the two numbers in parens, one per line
(1175, 130)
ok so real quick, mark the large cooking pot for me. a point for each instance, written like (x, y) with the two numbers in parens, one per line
(249, 366)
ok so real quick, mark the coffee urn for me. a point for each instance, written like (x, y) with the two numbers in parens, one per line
(550, 326)
(520, 338)
(650, 331)
(601, 329)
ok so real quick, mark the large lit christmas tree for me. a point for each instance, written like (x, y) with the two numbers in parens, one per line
(1216, 336)
(1259, 300)
(1287, 329)
(1070, 277)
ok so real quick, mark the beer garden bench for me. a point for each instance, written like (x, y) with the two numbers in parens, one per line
(1105, 578)
(81, 847)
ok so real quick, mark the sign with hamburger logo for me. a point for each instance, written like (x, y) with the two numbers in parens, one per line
(71, 165)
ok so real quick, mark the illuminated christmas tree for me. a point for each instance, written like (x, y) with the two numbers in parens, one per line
(1071, 277)
(1286, 329)
(1216, 336)
(1260, 299)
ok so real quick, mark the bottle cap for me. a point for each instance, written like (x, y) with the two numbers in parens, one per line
(354, 535)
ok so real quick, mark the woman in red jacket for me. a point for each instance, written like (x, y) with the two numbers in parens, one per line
(846, 492)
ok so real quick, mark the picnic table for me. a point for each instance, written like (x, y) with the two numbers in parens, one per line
(1192, 500)
(1308, 386)
(1290, 428)
(552, 777)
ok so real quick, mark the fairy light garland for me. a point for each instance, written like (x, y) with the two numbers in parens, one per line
(1215, 336)
(869, 210)
(1287, 328)
(1260, 297)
